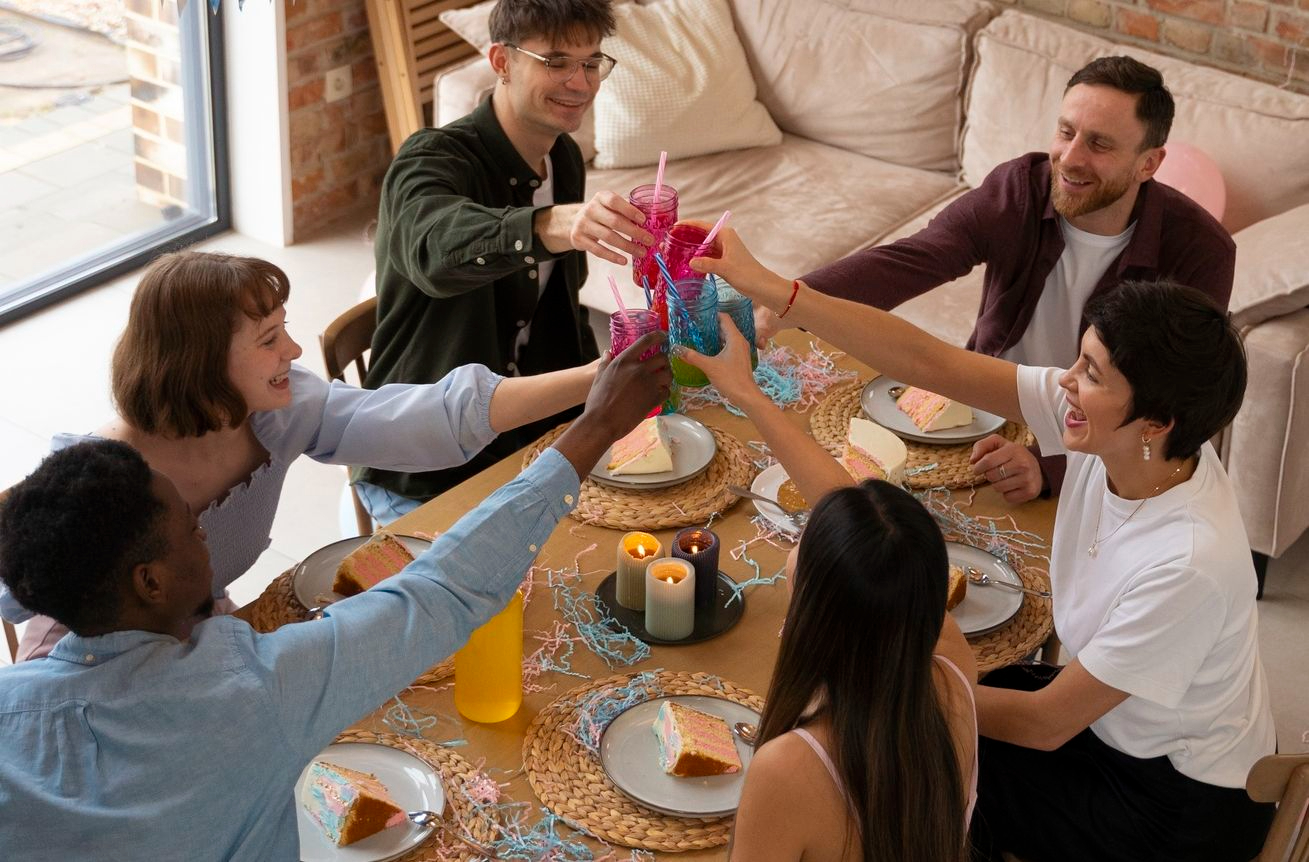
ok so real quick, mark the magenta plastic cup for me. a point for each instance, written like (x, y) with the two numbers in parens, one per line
(682, 243)
(626, 327)
(660, 215)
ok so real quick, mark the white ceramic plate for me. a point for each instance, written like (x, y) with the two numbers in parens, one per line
(693, 448)
(413, 785)
(767, 483)
(629, 754)
(984, 609)
(314, 576)
(880, 407)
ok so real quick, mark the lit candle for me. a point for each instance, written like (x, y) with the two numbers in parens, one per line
(700, 548)
(670, 599)
(635, 552)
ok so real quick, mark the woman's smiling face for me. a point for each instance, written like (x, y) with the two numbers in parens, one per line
(1099, 398)
(259, 361)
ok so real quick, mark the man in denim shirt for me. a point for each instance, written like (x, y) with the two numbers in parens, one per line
(154, 732)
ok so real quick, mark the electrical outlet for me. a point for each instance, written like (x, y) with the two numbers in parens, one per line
(338, 83)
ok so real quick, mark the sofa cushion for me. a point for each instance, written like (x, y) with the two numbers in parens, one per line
(682, 84)
(877, 77)
(798, 205)
(1255, 132)
(1272, 268)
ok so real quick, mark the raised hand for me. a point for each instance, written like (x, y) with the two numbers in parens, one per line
(604, 223)
(730, 370)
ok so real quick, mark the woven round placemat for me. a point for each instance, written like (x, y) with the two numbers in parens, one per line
(569, 780)
(691, 502)
(1023, 634)
(456, 774)
(277, 606)
(830, 424)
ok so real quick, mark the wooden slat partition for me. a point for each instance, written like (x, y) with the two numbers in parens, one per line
(411, 45)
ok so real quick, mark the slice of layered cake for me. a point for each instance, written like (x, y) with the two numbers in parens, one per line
(348, 805)
(372, 562)
(872, 452)
(957, 587)
(645, 450)
(932, 412)
(694, 743)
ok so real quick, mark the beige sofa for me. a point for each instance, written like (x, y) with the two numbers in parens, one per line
(892, 108)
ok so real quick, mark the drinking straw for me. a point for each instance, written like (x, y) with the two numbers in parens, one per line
(645, 285)
(659, 177)
(622, 309)
(709, 240)
(663, 269)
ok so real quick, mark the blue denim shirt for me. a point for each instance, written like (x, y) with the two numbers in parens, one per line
(134, 746)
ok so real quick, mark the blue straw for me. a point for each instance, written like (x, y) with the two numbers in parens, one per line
(645, 285)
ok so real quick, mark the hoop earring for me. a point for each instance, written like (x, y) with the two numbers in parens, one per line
(1145, 448)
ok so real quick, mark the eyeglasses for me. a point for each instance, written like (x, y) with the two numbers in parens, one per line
(562, 69)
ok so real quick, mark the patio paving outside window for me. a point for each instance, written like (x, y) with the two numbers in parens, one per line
(106, 140)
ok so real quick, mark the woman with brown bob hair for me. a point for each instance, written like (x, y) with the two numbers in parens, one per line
(206, 389)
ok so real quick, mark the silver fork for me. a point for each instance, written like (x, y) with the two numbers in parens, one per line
(977, 576)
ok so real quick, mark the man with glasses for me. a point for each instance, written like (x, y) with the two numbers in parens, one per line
(482, 231)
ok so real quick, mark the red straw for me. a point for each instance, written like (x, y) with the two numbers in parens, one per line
(659, 177)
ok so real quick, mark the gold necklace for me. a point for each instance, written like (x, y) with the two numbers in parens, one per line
(1094, 549)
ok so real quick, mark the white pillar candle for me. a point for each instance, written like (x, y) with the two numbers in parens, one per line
(669, 599)
(635, 552)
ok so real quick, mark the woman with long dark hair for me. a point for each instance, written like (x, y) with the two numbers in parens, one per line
(867, 745)
(1140, 746)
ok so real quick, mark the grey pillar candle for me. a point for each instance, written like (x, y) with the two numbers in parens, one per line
(635, 553)
(670, 599)
(699, 547)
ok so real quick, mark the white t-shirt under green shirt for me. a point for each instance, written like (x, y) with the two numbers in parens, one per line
(1165, 611)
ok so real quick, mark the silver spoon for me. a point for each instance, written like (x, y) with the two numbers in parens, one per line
(799, 516)
(985, 580)
(748, 732)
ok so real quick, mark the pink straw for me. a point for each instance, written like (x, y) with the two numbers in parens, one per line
(627, 320)
(659, 177)
(709, 240)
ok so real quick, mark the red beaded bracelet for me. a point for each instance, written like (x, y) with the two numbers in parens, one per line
(795, 289)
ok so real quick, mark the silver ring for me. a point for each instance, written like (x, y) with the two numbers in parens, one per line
(1003, 475)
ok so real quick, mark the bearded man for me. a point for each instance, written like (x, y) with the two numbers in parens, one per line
(1054, 230)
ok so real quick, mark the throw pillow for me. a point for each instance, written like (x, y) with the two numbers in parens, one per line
(1272, 268)
(471, 24)
(682, 84)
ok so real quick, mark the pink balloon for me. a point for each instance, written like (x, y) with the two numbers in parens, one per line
(1195, 175)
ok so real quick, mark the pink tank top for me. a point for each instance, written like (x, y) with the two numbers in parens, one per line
(972, 785)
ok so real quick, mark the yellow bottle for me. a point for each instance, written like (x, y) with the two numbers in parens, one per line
(489, 668)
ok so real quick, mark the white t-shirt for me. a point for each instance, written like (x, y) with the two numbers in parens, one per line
(544, 196)
(1051, 335)
(1166, 609)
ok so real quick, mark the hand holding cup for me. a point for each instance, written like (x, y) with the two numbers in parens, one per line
(729, 371)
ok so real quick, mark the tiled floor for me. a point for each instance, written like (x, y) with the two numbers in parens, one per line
(67, 183)
(57, 380)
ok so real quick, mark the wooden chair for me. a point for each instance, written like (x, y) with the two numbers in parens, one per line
(1284, 779)
(344, 342)
(410, 45)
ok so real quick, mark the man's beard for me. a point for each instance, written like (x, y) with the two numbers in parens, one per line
(1105, 193)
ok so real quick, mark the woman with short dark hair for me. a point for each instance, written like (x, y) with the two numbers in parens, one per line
(1140, 746)
(206, 390)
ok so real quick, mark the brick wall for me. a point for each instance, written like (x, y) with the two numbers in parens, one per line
(1263, 39)
(155, 75)
(339, 150)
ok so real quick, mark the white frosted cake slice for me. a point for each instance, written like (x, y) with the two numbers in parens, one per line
(645, 450)
(872, 452)
(932, 412)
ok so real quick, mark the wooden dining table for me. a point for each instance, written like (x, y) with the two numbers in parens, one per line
(744, 655)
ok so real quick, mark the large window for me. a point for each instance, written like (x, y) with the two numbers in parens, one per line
(112, 140)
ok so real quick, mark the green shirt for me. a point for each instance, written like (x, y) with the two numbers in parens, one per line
(457, 278)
